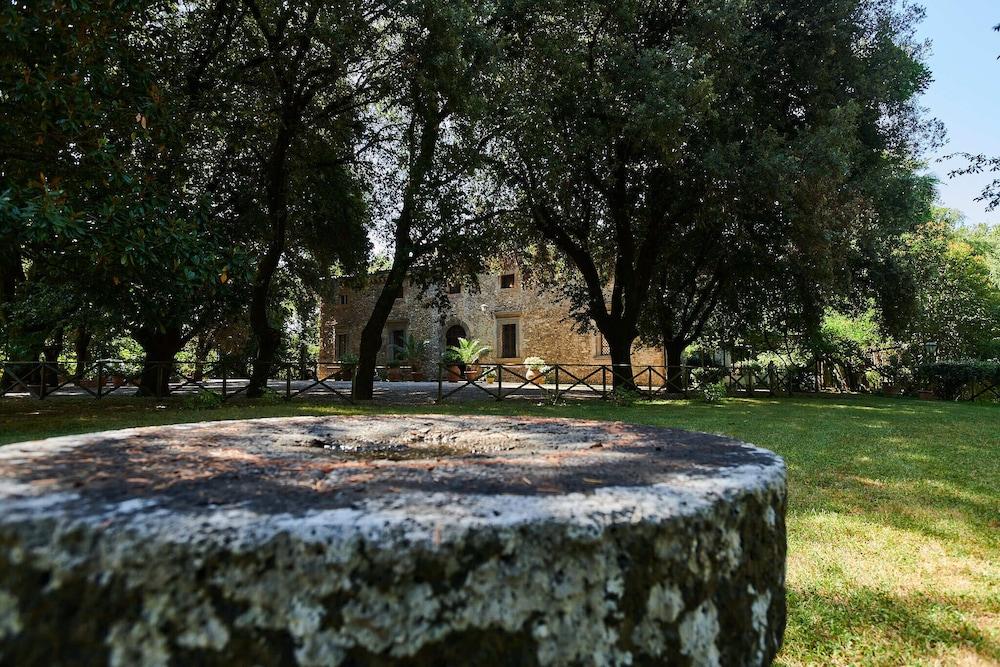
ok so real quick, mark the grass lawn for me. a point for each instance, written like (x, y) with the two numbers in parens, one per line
(894, 512)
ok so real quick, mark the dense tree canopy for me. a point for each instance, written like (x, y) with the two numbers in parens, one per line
(190, 175)
(685, 154)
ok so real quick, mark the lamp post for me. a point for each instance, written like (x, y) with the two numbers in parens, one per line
(930, 350)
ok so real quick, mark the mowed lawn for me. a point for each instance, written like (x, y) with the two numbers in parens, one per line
(894, 513)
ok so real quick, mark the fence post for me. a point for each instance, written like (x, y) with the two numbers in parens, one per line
(499, 382)
(440, 382)
(604, 382)
(223, 381)
(557, 382)
(41, 381)
(288, 382)
(770, 378)
(100, 378)
(685, 378)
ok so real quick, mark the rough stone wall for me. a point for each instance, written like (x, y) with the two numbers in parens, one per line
(545, 327)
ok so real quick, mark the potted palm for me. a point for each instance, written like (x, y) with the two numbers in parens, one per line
(348, 362)
(469, 353)
(535, 369)
(414, 352)
(453, 365)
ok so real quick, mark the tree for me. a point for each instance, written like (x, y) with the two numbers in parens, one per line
(308, 69)
(681, 155)
(959, 296)
(57, 91)
(432, 147)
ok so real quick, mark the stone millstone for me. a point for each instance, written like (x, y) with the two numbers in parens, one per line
(396, 540)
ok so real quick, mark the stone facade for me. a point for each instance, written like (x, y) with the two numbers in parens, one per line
(542, 323)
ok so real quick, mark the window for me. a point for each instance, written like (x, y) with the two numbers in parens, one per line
(454, 289)
(341, 348)
(507, 281)
(398, 341)
(508, 340)
(343, 299)
(602, 346)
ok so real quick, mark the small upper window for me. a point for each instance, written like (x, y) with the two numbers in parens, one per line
(343, 299)
(454, 288)
(507, 281)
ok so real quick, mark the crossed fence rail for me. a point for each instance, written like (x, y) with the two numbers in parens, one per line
(104, 377)
(556, 381)
(292, 379)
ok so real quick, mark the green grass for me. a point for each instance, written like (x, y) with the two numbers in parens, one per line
(894, 512)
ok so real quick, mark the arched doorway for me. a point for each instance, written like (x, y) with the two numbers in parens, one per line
(453, 333)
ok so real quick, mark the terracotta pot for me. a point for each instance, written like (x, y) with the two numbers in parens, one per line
(419, 376)
(534, 376)
(891, 390)
(926, 395)
(472, 372)
(454, 373)
(395, 374)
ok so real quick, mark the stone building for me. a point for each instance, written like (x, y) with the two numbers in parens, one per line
(514, 319)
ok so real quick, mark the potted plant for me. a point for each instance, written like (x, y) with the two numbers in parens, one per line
(535, 369)
(394, 370)
(453, 365)
(348, 363)
(469, 352)
(414, 353)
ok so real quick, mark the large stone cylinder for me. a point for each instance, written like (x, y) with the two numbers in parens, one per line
(392, 540)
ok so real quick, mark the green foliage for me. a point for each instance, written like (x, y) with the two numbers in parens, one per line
(203, 400)
(623, 397)
(708, 375)
(950, 379)
(959, 290)
(414, 352)
(469, 351)
(714, 392)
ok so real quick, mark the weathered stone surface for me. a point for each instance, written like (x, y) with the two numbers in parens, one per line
(407, 540)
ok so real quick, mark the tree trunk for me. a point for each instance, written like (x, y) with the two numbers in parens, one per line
(267, 336)
(81, 350)
(363, 388)
(52, 353)
(404, 254)
(675, 372)
(159, 348)
(203, 346)
(620, 350)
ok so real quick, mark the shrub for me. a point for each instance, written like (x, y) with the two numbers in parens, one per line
(714, 392)
(624, 398)
(949, 379)
(707, 375)
(203, 400)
